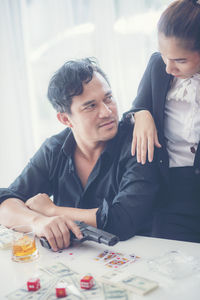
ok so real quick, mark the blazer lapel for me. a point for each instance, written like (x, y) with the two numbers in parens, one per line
(164, 82)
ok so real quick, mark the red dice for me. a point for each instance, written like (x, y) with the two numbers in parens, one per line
(33, 284)
(87, 282)
(61, 290)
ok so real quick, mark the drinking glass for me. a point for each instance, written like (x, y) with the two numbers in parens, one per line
(24, 246)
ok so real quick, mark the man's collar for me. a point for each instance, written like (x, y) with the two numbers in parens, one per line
(111, 145)
(70, 144)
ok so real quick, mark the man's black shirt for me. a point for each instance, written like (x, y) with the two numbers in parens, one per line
(123, 190)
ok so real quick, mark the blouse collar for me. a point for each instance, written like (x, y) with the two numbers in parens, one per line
(187, 89)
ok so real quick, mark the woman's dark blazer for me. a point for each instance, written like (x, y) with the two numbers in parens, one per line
(151, 96)
(152, 92)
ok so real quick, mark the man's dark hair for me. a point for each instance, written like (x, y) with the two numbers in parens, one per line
(181, 20)
(68, 81)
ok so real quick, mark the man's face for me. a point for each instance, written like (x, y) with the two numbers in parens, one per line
(179, 62)
(94, 116)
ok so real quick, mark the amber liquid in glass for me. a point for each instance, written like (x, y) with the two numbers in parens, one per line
(24, 247)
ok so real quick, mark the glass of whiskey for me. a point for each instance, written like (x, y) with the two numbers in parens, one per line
(24, 248)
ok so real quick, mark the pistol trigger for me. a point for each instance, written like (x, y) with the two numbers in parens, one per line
(84, 237)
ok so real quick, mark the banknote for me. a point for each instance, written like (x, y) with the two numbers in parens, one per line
(5, 237)
(138, 284)
(24, 294)
(17, 294)
(99, 291)
(110, 276)
(114, 292)
(132, 283)
(58, 269)
(46, 281)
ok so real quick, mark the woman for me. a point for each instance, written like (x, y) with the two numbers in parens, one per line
(170, 92)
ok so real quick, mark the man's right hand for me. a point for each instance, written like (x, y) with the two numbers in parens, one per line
(144, 136)
(56, 230)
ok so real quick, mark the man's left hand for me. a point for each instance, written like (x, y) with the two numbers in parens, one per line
(41, 203)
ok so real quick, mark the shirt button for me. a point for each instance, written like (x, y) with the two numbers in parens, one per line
(197, 171)
(192, 149)
(161, 161)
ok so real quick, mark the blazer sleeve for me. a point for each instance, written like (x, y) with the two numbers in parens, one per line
(144, 98)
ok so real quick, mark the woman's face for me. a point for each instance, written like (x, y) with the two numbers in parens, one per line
(179, 62)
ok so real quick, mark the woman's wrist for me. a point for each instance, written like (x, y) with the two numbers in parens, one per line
(141, 113)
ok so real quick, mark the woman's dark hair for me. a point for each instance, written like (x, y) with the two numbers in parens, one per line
(182, 20)
(68, 81)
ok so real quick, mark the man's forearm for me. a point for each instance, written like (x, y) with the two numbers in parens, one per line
(77, 214)
(14, 212)
(41, 203)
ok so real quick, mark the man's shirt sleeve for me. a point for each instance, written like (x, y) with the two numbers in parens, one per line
(134, 204)
(34, 178)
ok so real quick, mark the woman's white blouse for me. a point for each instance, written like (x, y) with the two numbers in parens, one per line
(182, 120)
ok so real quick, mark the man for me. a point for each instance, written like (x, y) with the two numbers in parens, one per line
(87, 168)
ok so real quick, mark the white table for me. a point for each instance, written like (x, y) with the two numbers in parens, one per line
(80, 258)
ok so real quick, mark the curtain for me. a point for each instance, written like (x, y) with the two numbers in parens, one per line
(15, 117)
(38, 36)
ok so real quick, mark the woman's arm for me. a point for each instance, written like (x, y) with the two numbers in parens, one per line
(144, 136)
(145, 132)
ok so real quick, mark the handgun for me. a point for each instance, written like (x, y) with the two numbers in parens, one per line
(89, 233)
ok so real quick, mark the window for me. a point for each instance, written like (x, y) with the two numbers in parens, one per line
(38, 36)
